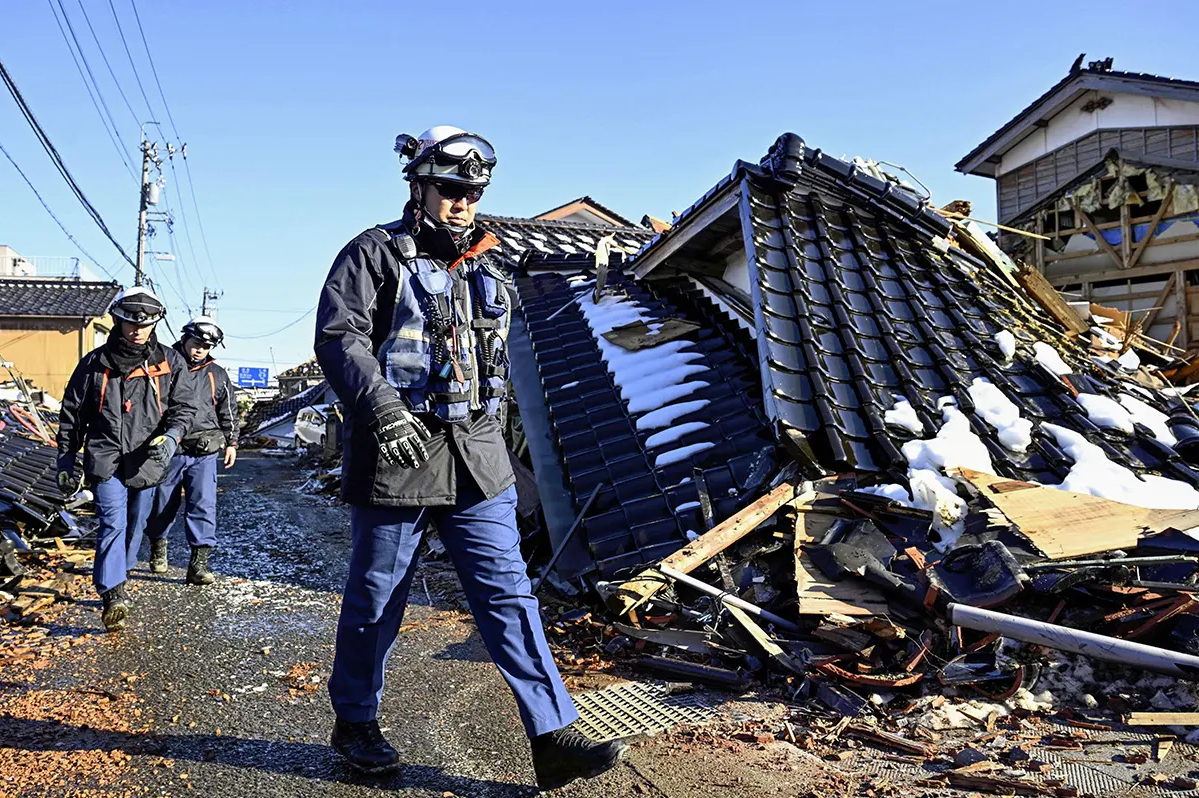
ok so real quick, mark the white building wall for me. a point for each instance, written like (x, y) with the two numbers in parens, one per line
(1126, 110)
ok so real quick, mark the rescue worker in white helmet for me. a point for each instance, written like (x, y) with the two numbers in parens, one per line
(128, 404)
(192, 474)
(411, 333)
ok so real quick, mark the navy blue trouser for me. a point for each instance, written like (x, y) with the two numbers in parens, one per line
(121, 512)
(483, 543)
(192, 479)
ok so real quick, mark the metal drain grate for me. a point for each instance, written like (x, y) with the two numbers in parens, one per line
(632, 708)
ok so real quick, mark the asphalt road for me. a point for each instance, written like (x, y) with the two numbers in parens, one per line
(230, 679)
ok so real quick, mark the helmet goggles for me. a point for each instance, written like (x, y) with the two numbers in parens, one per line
(459, 158)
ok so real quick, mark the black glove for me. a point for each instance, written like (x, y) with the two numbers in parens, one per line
(66, 483)
(163, 448)
(401, 436)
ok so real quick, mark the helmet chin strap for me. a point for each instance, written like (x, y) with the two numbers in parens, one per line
(453, 235)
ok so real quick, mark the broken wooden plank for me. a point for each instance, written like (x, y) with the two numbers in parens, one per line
(926, 750)
(1163, 719)
(767, 644)
(819, 595)
(647, 583)
(997, 784)
(1063, 524)
(1045, 295)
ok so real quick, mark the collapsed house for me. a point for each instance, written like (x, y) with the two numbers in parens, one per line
(819, 430)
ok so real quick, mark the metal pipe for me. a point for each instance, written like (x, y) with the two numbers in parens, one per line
(1112, 649)
(1165, 559)
(728, 598)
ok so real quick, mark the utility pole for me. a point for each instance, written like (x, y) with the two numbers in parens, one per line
(208, 305)
(149, 196)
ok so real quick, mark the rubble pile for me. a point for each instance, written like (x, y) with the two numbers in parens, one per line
(44, 535)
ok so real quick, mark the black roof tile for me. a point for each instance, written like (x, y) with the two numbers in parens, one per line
(55, 296)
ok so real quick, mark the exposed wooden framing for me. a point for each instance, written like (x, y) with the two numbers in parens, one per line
(1125, 237)
(1106, 247)
(1151, 316)
(1151, 233)
(1155, 242)
(1069, 231)
(1039, 243)
(684, 232)
(1129, 274)
(1182, 314)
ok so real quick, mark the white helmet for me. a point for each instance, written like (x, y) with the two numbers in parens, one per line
(205, 330)
(447, 154)
(137, 305)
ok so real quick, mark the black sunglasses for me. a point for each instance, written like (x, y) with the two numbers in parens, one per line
(457, 191)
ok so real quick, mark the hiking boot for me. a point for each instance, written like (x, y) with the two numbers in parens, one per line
(197, 569)
(116, 609)
(561, 756)
(364, 747)
(158, 556)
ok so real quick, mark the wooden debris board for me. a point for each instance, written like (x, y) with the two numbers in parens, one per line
(1050, 300)
(1065, 525)
(819, 595)
(637, 335)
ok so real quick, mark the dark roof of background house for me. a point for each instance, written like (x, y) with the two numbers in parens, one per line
(1080, 79)
(587, 203)
(555, 237)
(281, 409)
(307, 369)
(55, 296)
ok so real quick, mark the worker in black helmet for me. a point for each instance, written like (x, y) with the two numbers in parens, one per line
(412, 332)
(192, 475)
(128, 404)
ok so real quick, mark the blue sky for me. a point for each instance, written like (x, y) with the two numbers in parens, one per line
(289, 111)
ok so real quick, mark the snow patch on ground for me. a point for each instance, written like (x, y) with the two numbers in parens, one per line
(902, 414)
(1094, 474)
(1049, 357)
(1001, 413)
(1007, 344)
(1150, 416)
(1106, 412)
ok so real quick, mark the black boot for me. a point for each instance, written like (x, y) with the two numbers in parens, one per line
(197, 569)
(560, 757)
(158, 556)
(364, 747)
(116, 609)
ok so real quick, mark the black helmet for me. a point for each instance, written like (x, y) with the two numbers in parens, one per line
(205, 330)
(137, 305)
(447, 154)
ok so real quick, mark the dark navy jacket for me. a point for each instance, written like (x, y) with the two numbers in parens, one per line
(215, 424)
(357, 315)
(114, 417)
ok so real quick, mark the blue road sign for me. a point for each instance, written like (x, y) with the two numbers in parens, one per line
(252, 377)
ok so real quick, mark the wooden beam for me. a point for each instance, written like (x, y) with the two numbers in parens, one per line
(1125, 237)
(1151, 316)
(1045, 295)
(687, 229)
(1183, 314)
(1163, 719)
(1151, 233)
(647, 583)
(1099, 239)
(1128, 274)
(1156, 242)
(1039, 243)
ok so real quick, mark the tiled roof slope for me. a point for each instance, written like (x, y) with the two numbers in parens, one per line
(518, 236)
(31, 296)
(647, 506)
(283, 408)
(860, 301)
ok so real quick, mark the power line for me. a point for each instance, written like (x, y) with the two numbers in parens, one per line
(113, 135)
(288, 326)
(44, 140)
(191, 183)
(129, 55)
(61, 226)
(111, 72)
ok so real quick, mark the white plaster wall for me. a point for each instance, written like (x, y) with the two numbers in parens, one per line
(736, 270)
(1072, 123)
